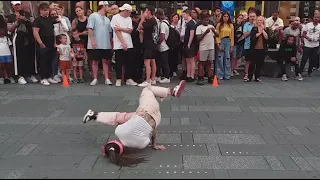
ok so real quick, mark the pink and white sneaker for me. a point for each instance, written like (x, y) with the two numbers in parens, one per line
(179, 88)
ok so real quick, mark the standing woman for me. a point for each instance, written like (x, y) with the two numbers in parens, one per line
(258, 48)
(225, 43)
(238, 45)
(20, 26)
(174, 54)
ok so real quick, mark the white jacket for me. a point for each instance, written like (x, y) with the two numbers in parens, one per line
(62, 28)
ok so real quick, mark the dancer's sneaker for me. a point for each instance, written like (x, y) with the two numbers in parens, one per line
(179, 88)
(89, 116)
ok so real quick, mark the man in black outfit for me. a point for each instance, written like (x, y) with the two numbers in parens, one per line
(137, 47)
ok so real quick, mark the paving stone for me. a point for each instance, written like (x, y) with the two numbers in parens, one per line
(274, 163)
(4, 137)
(166, 174)
(305, 140)
(314, 162)
(17, 174)
(286, 109)
(225, 162)
(38, 138)
(257, 150)
(27, 149)
(69, 174)
(221, 174)
(314, 149)
(302, 163)
(288, 163)
(88, 163)
(281, 139)
(294, 130)
(168, 138)
(228, 138)
(186, 114)
(303, 150)
(269, 174)
(4, 147)
(268, 138)
(185, 129)
(250, 129)
(185, 121)
(215, 108)
(43, 162)
(186, 138)
(214, 150)
(55, 149)
(284, 130)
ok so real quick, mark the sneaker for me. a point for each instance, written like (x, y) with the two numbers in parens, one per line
(108, 82)
(200, 81)
(178, 89)
(94, 82)
(158, 79)
(165, 80)
(118, 82)
(81, 81)
(12, 81)
(59, 74)
(33, 79)
(231, 74)
(284, 78)
(50, 80)
(236, 73)
(22, 81)
(45, 82)
(245, 77)
(131, 82)
(75, 81)
(299, 77)
(144, 84)
(89, 116)
(1, 81)
(57, 79)
(7, 81)
(175, 74)
(257, 80)
(70, 79)
(153, 82)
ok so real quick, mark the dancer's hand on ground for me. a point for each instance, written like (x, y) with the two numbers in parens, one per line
(157, 147)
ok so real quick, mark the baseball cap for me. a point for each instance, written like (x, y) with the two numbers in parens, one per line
(103, 3)
(15, 2)
(126, 6)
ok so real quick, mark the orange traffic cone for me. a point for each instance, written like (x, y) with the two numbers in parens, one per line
(65, 82)
(215, 81)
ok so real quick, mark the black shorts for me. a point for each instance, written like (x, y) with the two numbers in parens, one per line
(149, 54)
(99, 54)
(246, 54)
(189, 53)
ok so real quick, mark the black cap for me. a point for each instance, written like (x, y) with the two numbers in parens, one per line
(134, 13)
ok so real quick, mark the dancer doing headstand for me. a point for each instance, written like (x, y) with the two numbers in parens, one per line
(135, 129)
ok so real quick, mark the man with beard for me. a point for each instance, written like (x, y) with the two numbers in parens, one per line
(275, 24)
(294, 30)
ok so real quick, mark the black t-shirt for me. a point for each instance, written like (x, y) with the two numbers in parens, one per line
(191, 25)
(238, 31)
(287, 51)
(78, 47)
(135, 36)
(150, 34)
(46, 31)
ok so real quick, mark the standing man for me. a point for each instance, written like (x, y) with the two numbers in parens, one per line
(122, 44)
(311, 37)
(99, 41)
(276, 25)
(137, 47)
(114, 9)
(150, 29)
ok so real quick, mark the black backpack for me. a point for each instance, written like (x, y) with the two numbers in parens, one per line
(173, 40)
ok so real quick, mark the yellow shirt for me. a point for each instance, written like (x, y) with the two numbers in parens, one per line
(226, 31)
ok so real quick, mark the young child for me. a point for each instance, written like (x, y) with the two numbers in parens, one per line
(287, 55)
(65, 55)
(5, 55)
(78, 47)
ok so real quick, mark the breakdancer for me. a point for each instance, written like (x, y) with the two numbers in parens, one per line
(135, 130)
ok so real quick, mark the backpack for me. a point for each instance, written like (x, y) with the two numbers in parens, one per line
(173, 40)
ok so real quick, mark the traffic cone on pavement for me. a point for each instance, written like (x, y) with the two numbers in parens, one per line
(215, 81)
(65, 82)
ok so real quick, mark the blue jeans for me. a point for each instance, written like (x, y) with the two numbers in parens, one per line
(55, 64)
(223, 65)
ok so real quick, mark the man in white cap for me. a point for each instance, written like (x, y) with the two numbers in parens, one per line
(122, 44)
(99, 41)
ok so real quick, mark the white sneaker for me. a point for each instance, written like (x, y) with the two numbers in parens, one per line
(22, 81)
(158, 79)
(284, 77)
(88, 116)
(118, 82)
(236, 73)
(175, 74)
(231, 74)
(299, 77)
(70, 79)
(12, 80)
(131, 82)
(45, 82)
(144, 84)
(153, 82)
(59, 74)
(179, 88)
(108, 82)
(50, 80)
(57, 79)
(165, 80)
(1, 81)
(33, 79)
(94, 82)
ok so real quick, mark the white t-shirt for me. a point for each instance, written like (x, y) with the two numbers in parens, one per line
(118, 20)
(270, 23)
(4, 46)
(66, 50)
(164, 29)
(207, 43)
(313, 32)
(182, 28)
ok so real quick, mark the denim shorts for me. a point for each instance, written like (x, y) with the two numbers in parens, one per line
(237, 51)
(5, 59)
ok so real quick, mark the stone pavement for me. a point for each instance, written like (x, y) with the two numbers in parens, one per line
(267, 130)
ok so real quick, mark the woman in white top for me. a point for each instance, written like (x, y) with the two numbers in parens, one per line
(136, 129)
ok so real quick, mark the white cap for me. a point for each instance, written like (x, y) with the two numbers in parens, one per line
(127, 7)
(184, 8)
(15, 2)
(103, 3)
